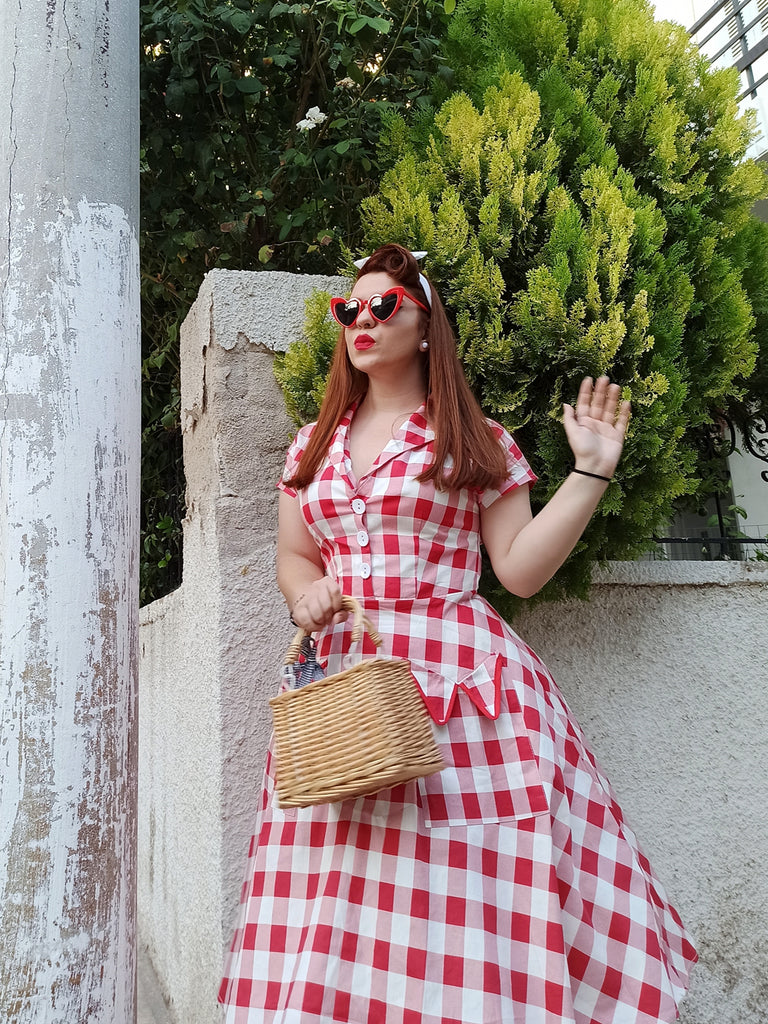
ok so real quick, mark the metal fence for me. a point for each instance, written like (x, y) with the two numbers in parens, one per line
(709, 545)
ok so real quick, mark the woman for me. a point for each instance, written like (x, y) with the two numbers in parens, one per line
(506, 889)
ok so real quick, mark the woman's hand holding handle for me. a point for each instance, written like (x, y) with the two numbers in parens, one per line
(318, 605)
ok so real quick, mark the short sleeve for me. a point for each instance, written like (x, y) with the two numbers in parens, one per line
(293, 457)
(518, 470)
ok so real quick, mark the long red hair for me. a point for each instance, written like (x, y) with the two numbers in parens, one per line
(461, 429)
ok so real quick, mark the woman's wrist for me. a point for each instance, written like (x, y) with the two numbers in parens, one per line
(293, 605)
(295, 602)
(593, 475)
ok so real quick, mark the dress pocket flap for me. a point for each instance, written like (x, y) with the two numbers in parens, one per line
(490, 773)
(482, 685)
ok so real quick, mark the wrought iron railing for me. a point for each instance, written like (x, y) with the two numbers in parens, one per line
(720, 534)
(744, 23)
(711, 547)
(755, 439)
(752, 434)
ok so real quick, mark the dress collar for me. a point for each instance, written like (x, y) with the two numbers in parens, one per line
(414, 432)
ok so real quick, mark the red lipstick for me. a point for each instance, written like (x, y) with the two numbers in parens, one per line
(364, 341)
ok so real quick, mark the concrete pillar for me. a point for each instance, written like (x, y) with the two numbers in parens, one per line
(211, 651)
(69, 471)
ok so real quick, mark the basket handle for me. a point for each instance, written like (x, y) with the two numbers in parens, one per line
(359, 621)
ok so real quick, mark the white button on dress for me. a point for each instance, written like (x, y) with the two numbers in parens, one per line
(358, 506)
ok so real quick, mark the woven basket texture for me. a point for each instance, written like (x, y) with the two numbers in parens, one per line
(353, 733)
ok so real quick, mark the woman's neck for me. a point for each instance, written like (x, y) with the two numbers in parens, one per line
(383, 400)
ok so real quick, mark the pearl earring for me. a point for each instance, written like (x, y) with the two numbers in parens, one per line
(424, 345)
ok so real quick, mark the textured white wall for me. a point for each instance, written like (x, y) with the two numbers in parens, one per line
(665, 667)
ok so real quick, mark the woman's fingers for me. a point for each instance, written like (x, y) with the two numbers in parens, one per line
(584, 398)
(601, 401)
(622, 420)
(599, 395)
(611, 403)
(320, 604)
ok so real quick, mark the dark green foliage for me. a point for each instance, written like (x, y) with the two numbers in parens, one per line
(228, 179)
(585, 203)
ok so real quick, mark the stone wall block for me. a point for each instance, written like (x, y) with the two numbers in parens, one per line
(212, 650)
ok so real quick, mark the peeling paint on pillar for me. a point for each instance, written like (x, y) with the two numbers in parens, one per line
(68, 633)
(69, 466)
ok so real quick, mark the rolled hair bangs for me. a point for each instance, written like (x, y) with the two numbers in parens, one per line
(462, 432)
(400, 264)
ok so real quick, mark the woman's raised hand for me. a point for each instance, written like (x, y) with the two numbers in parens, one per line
(596, 427)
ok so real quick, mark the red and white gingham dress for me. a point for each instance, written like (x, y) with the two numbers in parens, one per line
(507, 889)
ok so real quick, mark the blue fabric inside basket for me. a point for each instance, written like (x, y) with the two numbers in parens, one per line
(306, 669)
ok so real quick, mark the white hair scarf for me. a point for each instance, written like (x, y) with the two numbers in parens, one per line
(422, 280)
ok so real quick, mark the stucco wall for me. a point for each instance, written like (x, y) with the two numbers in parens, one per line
(664, 666)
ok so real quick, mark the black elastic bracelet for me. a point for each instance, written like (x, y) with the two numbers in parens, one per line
(299, 598)
(595, 476)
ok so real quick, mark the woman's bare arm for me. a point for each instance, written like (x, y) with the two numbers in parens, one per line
(313, 598)
(527, 551)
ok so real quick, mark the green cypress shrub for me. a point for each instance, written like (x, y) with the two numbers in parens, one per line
(585, 203)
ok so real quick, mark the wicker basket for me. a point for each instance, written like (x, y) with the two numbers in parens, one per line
(353, 733)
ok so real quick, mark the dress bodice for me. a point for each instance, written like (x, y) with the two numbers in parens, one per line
(410, 553)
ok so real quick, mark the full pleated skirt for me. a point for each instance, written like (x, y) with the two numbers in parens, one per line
(507, 890)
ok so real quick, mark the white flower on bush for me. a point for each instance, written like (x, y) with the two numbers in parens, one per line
(313, 118)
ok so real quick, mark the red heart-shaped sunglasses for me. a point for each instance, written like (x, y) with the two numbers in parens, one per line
(381, 307)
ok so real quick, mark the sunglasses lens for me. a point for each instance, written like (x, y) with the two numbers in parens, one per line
(384, 306)
(346, 312)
